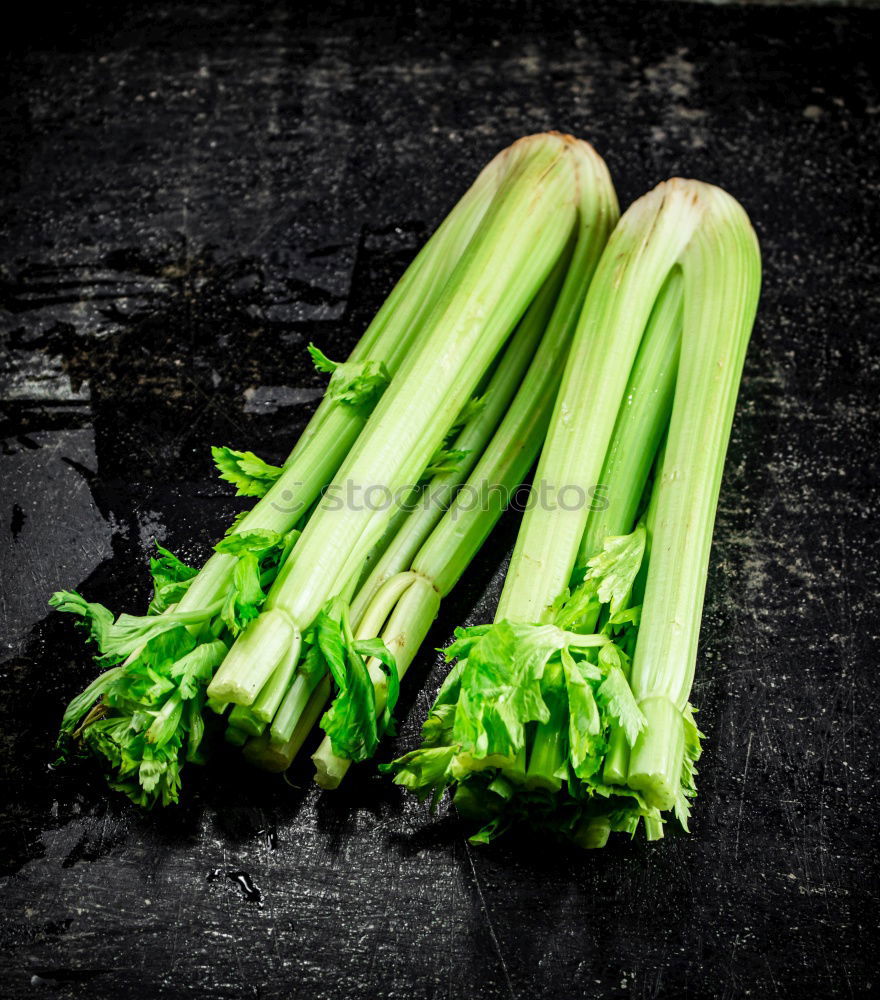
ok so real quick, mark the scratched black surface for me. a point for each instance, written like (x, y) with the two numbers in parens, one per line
(195, 192)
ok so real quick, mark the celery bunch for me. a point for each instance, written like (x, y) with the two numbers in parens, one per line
(571, 712)
(259, 631)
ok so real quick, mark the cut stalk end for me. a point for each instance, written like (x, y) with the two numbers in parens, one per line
(616, 767)
(274, 756)
(653, 828)
(330, 768)
(237, 737)
(593, 833)
(253, 658)
(656, 759)
(244, 719)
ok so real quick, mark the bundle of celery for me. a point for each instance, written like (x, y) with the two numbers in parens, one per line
(266, 617)
(571, 712)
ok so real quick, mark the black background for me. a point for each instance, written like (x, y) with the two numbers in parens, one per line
(193, 193)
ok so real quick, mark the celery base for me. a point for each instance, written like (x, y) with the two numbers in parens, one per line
(656, 759)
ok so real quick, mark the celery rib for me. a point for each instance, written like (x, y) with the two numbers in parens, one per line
(721, 269)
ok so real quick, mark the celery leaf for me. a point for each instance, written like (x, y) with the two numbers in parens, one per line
(445, 460)
(320, 360)
(96, 618)
(687, 789)
(614, 569)
(465, 638)
(574, 610)
(423, 770)
(171, 579)
(585, 728)
(615, 696)
(500, 687)
(194, 670)
(84, 701)
(357, 383)
(251, 476)
(350, 722)
(257, 541)
(375, 648)
(245, 595)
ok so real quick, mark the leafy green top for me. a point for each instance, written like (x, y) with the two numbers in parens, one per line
(567, 676)
(251, 476)
(143, 715)
(357, 383)
(351, 721)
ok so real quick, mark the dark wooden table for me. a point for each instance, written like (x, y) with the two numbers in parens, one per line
(195, 192)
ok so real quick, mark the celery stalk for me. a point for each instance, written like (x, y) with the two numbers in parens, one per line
(269, 699)
(274, 756)
(617, 308)
(334, 427)
(154, 774)
(292, 708)
(524, 232)
(641, 423)
(413, 530)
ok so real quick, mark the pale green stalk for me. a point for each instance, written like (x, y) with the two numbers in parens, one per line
(237, 737)
(243, 719)
(412, 532)
(394, 327)
(616, 766)
(273, 756)
(460, 535)
(524, 233)
(549, 749)
(377, 597)
(406, 600)
(292, 707)
(335, 426)
(685, 243)
(370, 621)
(641, 424)
(270, 698)
(592, 832)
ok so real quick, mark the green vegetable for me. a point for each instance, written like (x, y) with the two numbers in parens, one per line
(191, 608)
(571, 712)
